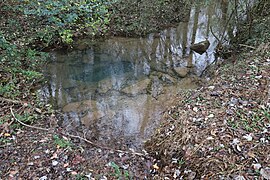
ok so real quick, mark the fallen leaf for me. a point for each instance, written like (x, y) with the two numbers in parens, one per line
(7, 134)
(256, 166)
(240, 178)
(209, 138)
(248, 137)
(38, 110)
(211, 87)
(77, 160)
(12, 173)
(251, 154)
(155, 166)
(192, 175)
(30, 164)
(176, 174)
(54, 163)
(55, 155)
(68, 169)
(43, 178)
(195, 109)
(74, 173)
(36, 157)
(265, 172)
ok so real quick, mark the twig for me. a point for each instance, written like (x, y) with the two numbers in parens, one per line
(22, 123)
(104, 147)
(224, 30)
(215, 36)
(10, 101)
(251, 47)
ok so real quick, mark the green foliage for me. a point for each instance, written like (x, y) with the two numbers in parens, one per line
(255, 29)
(64, 18)
(251, 121)
(9, 90)
(80, 177)
(18, 68)
(27, 118)
(116, 168)
(61, 142)
(260, 31)
(118, 173)
(66, 36)
(181, 162)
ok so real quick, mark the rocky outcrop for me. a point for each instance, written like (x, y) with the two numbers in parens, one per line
(200, 47)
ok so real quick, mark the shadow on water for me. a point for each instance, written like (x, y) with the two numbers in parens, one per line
(116, 90)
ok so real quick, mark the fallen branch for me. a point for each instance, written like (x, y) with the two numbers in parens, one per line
(22, 123)
(104, 147)
(78, 137)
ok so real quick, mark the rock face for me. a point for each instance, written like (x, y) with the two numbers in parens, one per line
(156, 87)
(200, 47)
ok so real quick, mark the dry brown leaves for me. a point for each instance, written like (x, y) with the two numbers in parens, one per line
(221, 130)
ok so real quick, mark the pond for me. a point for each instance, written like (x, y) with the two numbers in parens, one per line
(116, 91)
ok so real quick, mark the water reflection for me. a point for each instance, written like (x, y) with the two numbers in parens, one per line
(119, 88)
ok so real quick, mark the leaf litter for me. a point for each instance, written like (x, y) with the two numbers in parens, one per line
(222, 129)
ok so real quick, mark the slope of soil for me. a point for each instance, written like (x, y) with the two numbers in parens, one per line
(221, 130)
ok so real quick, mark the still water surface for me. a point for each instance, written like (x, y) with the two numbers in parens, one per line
(116, 90)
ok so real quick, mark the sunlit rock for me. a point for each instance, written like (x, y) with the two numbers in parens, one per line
(79, 106)
(181, 71)
(138, 88)
(200, 47)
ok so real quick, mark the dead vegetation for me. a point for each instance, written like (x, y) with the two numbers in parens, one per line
(221, 130)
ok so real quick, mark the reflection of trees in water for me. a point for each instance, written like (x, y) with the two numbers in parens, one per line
(158, 53)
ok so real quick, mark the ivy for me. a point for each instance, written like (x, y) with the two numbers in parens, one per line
(66, 17)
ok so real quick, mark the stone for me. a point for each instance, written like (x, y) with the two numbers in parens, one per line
(95, 115)
(137, 88)
(105, 86)
(181, 71)
(200, 47)
(167, 78)
(79, 106)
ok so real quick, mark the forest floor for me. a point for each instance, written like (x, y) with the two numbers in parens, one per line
(219, 131)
